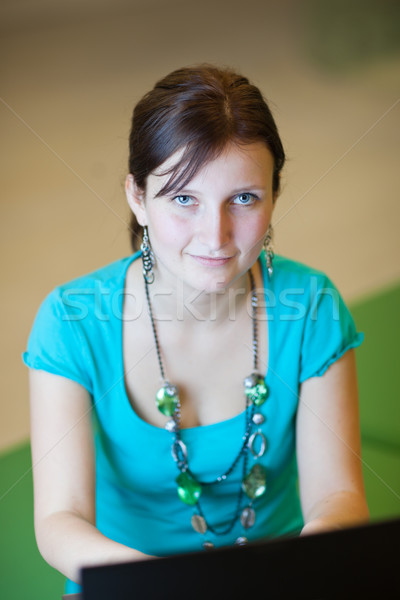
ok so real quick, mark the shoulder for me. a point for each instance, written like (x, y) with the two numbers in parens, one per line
(90, 290)
(109, 275)
(106, 279)
(288, 268)
(296, 289)
(290, 274)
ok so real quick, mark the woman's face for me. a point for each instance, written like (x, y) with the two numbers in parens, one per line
(211, 232)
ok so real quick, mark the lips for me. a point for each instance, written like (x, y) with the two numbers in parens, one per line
(212, 261)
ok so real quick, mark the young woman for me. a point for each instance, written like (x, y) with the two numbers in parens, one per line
(200, 392)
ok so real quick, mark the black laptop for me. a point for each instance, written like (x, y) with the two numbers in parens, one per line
(357, 563)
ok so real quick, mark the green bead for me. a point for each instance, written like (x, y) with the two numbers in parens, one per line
(254, 484)
(189, 490)
(256, 390)
(167, 400)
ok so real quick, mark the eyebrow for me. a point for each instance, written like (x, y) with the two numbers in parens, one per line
(242, 188)
(250, 187)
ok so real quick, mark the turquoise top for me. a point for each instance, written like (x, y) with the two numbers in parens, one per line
(77, 333)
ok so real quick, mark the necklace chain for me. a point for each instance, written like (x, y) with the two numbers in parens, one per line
(253, 398)
(153, 326)
(254, 305)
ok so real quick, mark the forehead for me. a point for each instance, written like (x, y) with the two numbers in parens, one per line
(250, 161)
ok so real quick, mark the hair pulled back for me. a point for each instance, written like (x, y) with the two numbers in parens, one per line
(200, 109)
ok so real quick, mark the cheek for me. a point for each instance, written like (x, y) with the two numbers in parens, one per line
(254, 230)
(167, 231)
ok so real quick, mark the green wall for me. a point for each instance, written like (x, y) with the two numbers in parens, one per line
(379, 383)
(26, 575)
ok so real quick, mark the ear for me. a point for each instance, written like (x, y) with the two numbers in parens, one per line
(135, 197)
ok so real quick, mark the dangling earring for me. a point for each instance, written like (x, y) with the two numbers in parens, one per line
(269, 253)
(147, 257)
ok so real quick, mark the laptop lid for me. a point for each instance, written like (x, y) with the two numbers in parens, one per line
(361, 562)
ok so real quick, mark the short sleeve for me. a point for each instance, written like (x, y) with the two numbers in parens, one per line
(54, 344)
(329, 329)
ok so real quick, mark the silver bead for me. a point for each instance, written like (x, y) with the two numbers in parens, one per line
(208, 545)
(250, 381)
(248, 517)
(170, 426)
(241, 541)
(258, 418)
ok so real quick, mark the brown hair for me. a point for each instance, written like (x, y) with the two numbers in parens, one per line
(200, 109)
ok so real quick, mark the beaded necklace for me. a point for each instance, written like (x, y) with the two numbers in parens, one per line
(189, 487)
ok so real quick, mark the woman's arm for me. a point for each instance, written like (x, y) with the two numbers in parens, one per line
(328, 449)
(64, 479)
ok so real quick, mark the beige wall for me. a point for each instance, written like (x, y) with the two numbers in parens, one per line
(69, 81)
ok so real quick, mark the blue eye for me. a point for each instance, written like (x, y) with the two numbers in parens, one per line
(183, 200)
(244, 199)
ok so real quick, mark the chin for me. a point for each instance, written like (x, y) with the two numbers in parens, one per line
(213, 285)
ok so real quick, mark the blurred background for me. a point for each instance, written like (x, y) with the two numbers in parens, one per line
(71, 73)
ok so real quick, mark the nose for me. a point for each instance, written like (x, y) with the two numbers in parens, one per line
(215, 228)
